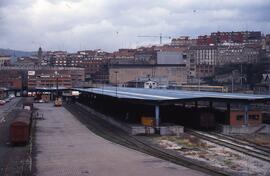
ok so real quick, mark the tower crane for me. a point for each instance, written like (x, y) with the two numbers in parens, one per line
(160, 36)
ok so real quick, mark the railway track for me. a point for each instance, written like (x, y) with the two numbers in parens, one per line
(11, 157)
(116, 135)
(234, 144)
(243, 142)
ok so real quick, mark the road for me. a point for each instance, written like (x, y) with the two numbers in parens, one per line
(6, 108)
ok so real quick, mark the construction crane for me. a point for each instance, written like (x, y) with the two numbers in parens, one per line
(154, 36)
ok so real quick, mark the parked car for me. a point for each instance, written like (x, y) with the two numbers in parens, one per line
(11, 96)
(39, 101)
(2, 102)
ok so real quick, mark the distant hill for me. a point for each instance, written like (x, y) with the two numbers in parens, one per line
(16, 53)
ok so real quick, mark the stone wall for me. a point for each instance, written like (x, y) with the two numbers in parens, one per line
(173, 73)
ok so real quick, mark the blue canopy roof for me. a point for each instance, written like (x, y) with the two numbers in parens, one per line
(165, 95)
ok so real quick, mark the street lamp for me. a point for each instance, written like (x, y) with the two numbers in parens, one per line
(116, 72)
(57, 93)
(199, 78)
(241, 76)
(232, 82)
(102, 82)
(241, 72)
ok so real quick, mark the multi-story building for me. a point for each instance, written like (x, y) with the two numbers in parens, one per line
(238, 53)
(27, 62)
(202, 60)
(94, 62)
(75, 60)
(252, 53)
(215, 38)
(96, 65)
(205, 40)
(267, 48)
(11, 79)
(230, 54)
(172, 74)
(57, 58)
(77, 75)
(17, 77)
(172, 55)
(124, 54)
(183, 41)
(146, 55)
(40, 80)
(223, 37)
(4, 61)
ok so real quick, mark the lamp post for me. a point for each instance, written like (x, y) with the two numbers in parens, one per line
(241, 72)
(102, 82)
(232, 82)
(199, 79)
(116, 72)
(57, 93)
(241, 76)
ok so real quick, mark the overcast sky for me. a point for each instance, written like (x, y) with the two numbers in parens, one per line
(111, 24)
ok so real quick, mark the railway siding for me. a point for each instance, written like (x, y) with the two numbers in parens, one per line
(15, 160)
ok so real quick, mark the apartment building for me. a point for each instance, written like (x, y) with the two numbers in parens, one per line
(202, 60)
(4, 61)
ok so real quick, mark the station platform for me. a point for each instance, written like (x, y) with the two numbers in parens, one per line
(64, 146)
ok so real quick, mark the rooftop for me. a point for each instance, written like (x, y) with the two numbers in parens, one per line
(173, 96)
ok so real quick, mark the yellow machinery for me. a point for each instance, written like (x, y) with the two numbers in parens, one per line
(58, 102)
(147, 121)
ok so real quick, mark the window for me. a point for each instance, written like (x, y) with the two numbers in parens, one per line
(239, 117)
(254, 117)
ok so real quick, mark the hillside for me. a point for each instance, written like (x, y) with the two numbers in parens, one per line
(15, 53)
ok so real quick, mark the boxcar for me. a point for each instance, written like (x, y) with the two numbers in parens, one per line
(207, 120)
(28, 105)
(19, 129)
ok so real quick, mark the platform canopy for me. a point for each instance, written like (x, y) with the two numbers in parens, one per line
(165, 96)
(60, 88)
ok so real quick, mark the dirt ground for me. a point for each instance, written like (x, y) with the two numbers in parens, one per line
(260, 139)
(214, 155)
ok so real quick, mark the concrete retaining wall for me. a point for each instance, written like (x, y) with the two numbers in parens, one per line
(171, 130)
(227, 129)
(139, 129)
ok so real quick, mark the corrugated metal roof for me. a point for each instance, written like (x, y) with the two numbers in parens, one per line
(172, 95)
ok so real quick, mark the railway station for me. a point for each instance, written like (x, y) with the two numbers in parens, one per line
(140, 119)
(158, 109)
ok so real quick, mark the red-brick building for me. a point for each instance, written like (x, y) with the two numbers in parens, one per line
(230, 37)
(49, 81)
(237, 118)
(4, 61)
(11, 79)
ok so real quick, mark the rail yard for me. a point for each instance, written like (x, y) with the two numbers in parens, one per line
(136, 131)
(15, 160)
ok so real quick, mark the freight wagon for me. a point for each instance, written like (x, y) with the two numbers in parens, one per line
(199, 118)
(20, 127)
(206, 120)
